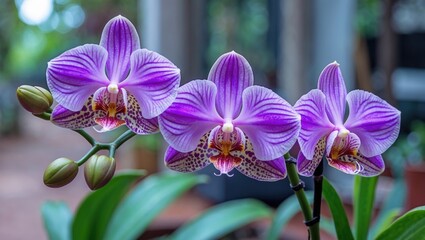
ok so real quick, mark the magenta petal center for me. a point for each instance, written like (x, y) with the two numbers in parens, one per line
(228, 145)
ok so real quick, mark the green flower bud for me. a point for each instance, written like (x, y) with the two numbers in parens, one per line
(34, 99)
(98, 171)
(60, 172)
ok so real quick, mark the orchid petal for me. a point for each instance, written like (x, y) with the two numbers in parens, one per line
(271, 124)
(359, 164)
(231, 73)
(153, 80)
(136, 122)
(76, 74)
(65, 118)
(269, 171)
(332, 84)
(373, 120)
(307, 167)
(190, 161)
(120, 39)
(190, 116)
(314, 122)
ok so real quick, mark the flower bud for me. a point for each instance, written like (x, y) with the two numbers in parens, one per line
(98, 171)
(34, 99)
(60, 172)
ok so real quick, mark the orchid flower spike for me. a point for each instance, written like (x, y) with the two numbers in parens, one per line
(230, 123)
(113, 83)
(354, 146)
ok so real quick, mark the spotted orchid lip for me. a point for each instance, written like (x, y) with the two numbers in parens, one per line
(118, 66)
(228, 102)
(353, 146)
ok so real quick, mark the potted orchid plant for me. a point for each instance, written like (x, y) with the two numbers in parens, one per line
(226, 121)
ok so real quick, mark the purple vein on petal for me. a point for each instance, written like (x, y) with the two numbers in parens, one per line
(232, 74)
(332, 84)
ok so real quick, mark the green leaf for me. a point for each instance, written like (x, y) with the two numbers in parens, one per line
(57, 220)
(222, 219)
(286, 210)
(327, 225)
(364, 195)
(146, 201)
(410, 226)
(392, 206)
(339, 216)
(94, 213)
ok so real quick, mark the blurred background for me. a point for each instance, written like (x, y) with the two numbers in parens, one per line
(380, 45)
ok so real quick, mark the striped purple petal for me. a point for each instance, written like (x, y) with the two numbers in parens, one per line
(120, 39)
(332, 84)
(231, 73)
(153, 81)
(191, 115)
(315, 123)
(373, 120)
(76, 74)
(271, 124)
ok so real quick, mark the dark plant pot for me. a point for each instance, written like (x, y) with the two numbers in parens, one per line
(415, 180)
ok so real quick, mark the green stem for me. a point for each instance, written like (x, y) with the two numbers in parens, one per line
(96, 146)
(45, 116)
(119, 141)
(294, 180)
(90, 153)
(86, 136)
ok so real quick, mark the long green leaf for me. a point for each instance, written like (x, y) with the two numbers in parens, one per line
(94, 213)
(222, 219)
(410, 226)
(327, 225)
(339, 216)
(57, 220)
(145, 202)
(286, 210)
(392, 206)
(364, 195)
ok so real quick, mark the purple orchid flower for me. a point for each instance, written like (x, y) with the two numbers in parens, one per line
(230, 123)
(353, 147)
(113, 83)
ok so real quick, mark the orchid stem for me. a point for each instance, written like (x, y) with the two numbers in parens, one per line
(86, 136)
(318, 180)
(96, 146)
(119, 141)
(298, 186)
(45, 116)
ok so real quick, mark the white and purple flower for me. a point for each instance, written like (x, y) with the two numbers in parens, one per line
(354, 147)
(230, 123)
(113, 83)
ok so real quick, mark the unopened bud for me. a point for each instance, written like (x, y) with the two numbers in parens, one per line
(98, 171)
(34, 99)
(60, 172)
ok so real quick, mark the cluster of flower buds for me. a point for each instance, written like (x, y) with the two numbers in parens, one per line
(98, 171)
